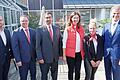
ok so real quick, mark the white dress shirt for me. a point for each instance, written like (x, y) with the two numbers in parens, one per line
(3, 36)
(95, 44)
(65, 36)
(50, 28)
(26, 32)
(113, 27)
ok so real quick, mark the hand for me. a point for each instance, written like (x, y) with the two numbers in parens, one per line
(61, 58)
(41, 61)
(97, 63)
(93, 63)
(19, 63)
(64, 59)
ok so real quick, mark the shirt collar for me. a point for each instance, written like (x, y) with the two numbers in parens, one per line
(115, 22)
(24, 28)
(49, 26)
(2, 29)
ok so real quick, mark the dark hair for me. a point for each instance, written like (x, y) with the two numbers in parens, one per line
(70, 18)
(48, 13)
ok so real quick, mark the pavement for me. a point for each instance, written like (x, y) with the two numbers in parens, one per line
(62, 72)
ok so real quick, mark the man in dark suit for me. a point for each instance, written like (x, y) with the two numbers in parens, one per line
(5, 50)
(48, 47)
(111, 35)
(23, 45)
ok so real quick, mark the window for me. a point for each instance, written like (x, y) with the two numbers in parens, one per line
(13, 16)
(107, 14)
(7, 15)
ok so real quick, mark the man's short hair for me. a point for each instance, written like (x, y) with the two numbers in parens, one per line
(48, 13)
(117, 7)
(24, 16)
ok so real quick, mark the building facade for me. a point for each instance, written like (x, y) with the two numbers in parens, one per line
(11, 13)
(99, 9)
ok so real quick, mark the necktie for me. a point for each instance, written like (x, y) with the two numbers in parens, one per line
(27, 35)
(50, 32)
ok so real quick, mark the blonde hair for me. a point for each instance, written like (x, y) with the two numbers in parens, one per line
(93, 22)
(117, 7)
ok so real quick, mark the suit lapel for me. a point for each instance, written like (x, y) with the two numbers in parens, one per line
(30, 33)
(109, 28)
(23, 35)
(6, 35)
(54, 33)
(48, 33)
(92, 47)
(117, 29)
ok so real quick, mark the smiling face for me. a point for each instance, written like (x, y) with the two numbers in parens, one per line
(116, 13)
(92, 28)
(75, 19)
(24, 21)
(48, 18)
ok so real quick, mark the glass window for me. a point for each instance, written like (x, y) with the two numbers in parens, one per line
(60, 18)
(13, 16)
(107, 14)
(18, 16)
(7, 15)
(1, 11)
(92, 13)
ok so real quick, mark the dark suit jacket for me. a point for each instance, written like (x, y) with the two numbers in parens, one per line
(5, 50)
(46, 48)
(22, 50)
(90, 50)
(111, 42)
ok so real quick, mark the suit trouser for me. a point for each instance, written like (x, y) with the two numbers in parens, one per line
(23, 70)
(53, 67)
(112, 68)
(74, 64)
(89, 70)
(4, 69)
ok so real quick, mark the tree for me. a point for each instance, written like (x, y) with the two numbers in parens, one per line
(34, 20)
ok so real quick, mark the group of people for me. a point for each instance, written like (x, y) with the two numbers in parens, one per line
(46, 45)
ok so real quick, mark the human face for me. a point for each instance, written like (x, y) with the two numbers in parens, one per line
(75, 19)
(92, 28)
(24, 22)
(115, 15)
(1, 22)
(48, 19)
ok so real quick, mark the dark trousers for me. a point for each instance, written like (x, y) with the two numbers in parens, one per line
(112, 68)
(108, 67)
(4, 69)
(23, 70)
(89, 70)
(74, 64)
(53, 67)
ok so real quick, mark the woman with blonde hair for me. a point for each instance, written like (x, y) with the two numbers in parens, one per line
(93, 47)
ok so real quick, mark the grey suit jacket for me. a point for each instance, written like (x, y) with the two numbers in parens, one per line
(47, 49)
